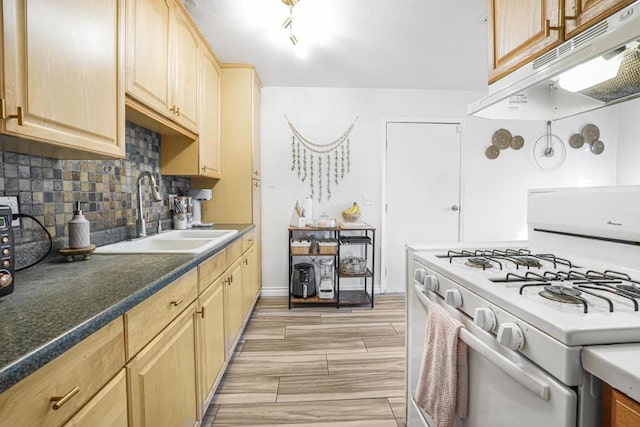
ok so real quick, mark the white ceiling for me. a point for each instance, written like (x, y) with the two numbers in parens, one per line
(408, 44)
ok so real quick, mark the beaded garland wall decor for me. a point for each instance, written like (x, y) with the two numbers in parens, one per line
(306, 156)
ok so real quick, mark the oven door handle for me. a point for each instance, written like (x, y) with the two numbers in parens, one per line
(535, 385)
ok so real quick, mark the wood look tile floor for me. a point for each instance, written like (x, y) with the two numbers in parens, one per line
(316, 367)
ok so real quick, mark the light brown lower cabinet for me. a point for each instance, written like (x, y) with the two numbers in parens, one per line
(211, 354)
(107, 409)
(233, 305)
(619, 410)
(54, 393)
(162, 379)
(249, 279)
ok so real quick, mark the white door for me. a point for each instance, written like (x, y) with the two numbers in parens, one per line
(422, 192)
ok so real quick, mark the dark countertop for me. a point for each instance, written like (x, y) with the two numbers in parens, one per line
(55, 305)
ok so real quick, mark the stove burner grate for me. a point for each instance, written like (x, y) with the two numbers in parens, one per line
(527, 261)
(476, 262)
(562, 294)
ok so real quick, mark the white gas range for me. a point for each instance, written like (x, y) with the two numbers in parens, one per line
(529, 308)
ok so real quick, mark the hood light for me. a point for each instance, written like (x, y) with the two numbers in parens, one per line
(590, 73)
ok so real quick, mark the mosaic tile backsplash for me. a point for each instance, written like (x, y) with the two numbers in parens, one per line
(47, 188)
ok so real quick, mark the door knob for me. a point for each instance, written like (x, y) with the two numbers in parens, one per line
(455, 208)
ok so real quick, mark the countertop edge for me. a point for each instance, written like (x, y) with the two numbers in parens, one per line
(19, 369)
(616, 365)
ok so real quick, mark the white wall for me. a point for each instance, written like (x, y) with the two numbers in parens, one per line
(494, 191)
(629, 142)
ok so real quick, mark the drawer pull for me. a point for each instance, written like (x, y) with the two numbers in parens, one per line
(61, 400)
(177, 303)
(201, 312)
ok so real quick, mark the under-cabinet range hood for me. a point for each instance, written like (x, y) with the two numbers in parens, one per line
(553, 86)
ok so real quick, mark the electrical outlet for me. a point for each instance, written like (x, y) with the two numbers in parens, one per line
(367, 200)
(12, 202)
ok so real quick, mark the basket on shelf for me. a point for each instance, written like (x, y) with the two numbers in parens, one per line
(328, 247)
(353, 265)
(300, 247)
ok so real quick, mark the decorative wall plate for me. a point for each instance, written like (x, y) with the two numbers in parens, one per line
(590, 133)
(517, 142)
(576, 140)
(597, 147)
(501, 138)
(492, 152)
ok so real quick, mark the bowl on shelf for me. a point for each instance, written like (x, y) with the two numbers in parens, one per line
(350, 217)
(353, 265)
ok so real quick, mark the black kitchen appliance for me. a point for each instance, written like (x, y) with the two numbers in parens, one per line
(303, 280)
(7, 269)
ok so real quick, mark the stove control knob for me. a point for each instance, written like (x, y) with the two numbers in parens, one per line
(418, 275)
(485, 319)
(431, 282)
(453, 297)
(6, 279)
(510, 335)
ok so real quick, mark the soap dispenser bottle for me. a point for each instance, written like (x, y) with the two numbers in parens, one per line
(78, 229)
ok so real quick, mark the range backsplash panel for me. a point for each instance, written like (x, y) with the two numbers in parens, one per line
(47, 188)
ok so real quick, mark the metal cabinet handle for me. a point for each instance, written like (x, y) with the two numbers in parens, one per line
(61, 400)
(246, 261)
(455, 208)
(201, 313)
(177, 303)
(19, 113)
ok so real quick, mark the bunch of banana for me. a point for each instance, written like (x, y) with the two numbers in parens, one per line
(354, 210)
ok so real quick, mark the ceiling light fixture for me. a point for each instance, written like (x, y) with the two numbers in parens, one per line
(288, 23)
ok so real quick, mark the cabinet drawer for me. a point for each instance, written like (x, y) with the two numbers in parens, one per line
(147, 319)
(248, 239)
(211, 269)
(234, 251)
(75, 376)
(107, 409)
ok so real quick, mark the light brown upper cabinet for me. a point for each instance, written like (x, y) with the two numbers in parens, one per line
(581, 14)
(520, 31)
(233, 199)
(162, 65)
(62, 85)
(200, 158)
(524, 30)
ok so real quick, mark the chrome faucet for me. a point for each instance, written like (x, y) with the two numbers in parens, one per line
(155, 193)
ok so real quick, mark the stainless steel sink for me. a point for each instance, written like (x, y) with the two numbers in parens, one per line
(176, 241)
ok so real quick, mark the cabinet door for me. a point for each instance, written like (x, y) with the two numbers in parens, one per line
(209, 137)
(233, 307)
(211, 348)
(521, 31)
(248, 279)
(148, 50)
(186, 51)
(581, 14)
(162, 380)
(619, 410)
(63, 87)
(108, 408)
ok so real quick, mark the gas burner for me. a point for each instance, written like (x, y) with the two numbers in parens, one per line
(632, 289)
(562, 294)
(482, 263)
(527, 261)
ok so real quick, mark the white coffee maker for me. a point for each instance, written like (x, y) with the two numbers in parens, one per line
(198, 195)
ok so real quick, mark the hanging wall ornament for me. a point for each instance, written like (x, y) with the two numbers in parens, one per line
(342, 144)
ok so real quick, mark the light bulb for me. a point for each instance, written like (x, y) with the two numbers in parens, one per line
(590, 73)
